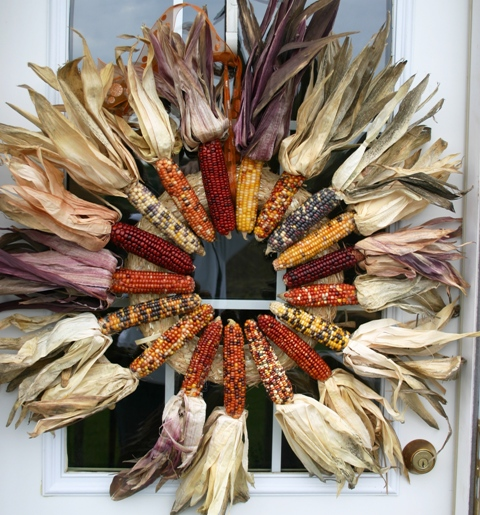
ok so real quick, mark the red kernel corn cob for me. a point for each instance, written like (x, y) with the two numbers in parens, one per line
(298, 223)
(185, 198)
(217, 187)
(277, 204)
(248, 187)
(144, 281)
(154, 249)
(294, 347)
(320, 330)
(202, 358)
(148, 311)
(234, 375)
(324, 266)
(277, 385)
(155, 212)
(171, 340)
(317, 241)
(316, 295)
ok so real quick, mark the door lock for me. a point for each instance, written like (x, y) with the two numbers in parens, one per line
(419, 456)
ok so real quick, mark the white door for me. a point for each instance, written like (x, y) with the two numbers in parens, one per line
(436, 38)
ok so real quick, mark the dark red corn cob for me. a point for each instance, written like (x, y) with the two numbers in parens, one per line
(294, 347)
(217, 187)
(154, 249)
(324, 266)
(234, 375)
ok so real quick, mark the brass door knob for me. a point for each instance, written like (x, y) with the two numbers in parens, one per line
(419, 456)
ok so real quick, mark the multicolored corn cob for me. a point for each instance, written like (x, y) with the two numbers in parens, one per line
(148, 311)
(324, 266)
(277, 204)
(185, 198)
(202, 358)
(324, 332)
(316, 295)
(125, 280)
(298, 223)
(217, 187)
(248, 187)
(154, 249)
(234, 375)
(171, 340)
(147, 204)
(294, 347)
(275, 380)
(316, 242)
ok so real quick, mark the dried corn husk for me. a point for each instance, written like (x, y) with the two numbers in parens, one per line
(182, 428)
(218, 475)
(324, 442)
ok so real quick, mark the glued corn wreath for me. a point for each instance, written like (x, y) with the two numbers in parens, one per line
(390, 171)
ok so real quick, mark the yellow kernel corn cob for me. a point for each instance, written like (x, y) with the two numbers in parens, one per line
(273, 375)
(145, 281)
(155, 212)
(316, 295)
(202, 358)
(171, 340)
(294, 347)
(217, 186)
(234, 375)
(185, 198)
(317, 241)
(320, 330)
(154, 249)
(148, 311)
(248, 186)
(277, 204)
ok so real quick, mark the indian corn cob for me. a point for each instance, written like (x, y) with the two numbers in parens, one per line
(248, 186)
(148, 246)
(312, 326)
(234, 379)
(316, 295)
(155, 212)
(317, 241)
(185, 198)
(277, 204)
(202, 358)
(217, 187)
(148, 311)
(295, 348)
(297, 224)
(321, 267)
(125, 280)
(273, 375)
(171, 340)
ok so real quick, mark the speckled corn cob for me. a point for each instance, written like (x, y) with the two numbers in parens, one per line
(185, 198)
(145, 281)
(147, 204)
(148, 311)
(277, 204)
(320, 330)
(171, 340)
(248, 187)
(316, 242)
(324, 266)
(202, 358)
(275, 380)
(316, 295)
(294, 347)
(154, 249)
(234, 375)
(298, 223)
(217, 186)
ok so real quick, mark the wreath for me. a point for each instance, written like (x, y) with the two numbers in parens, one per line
(356, 135)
